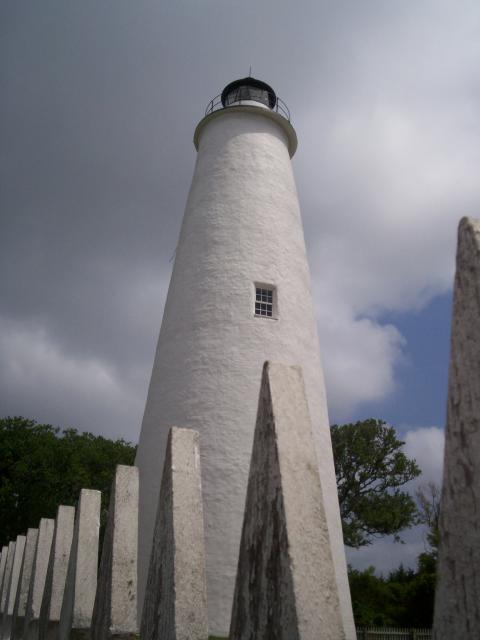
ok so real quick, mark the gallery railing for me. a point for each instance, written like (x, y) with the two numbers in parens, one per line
(216, 104)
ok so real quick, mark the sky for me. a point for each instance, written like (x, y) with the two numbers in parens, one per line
(98, 105)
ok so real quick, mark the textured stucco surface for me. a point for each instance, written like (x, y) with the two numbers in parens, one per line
(115, 609)
(18, 618)
(242, 225)
(285, 586)
(457, 601)
(245, 107)
(81, 583)
(175, 606)
(12, 587)
(39, 574)
(56, 573)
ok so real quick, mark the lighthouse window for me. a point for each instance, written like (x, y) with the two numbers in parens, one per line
(264, 302)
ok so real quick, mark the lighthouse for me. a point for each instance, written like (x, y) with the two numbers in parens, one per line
(239, 295)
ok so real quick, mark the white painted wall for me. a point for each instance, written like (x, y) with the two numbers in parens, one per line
(242, 225)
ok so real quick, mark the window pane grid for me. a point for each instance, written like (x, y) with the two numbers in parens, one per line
(264, 302)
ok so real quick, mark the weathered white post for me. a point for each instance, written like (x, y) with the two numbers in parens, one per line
(3, 562)
(39, 574)
(81, 585)
(115, 609)
(457, 598)
(12, 587)
(18, 618)
(56, 574)
(175, 605)
(6, 578)
(286, 586)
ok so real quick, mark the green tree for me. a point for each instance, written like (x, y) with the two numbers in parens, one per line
(371, 598)
(370, 468)
(428, 498)
(421, 594)
(42, 467)
(403, 599)
(422, 590)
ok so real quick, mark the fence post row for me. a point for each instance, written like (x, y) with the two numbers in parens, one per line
(20, 606)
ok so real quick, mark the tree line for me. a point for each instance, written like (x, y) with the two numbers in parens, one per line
(42, 466)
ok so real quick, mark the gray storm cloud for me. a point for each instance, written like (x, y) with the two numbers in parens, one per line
(97, 110)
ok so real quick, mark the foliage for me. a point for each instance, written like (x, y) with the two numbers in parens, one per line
(42, 467)
(428, 498)
(370, 598)
(370, 467)
(404, 599)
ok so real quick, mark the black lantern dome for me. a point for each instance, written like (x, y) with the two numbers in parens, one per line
(250, 96)
(249, 89)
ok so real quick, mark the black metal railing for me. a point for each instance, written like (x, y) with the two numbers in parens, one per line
(216, 104)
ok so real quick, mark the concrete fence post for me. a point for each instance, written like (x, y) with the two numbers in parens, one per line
(286, 586)
(3, 562)
(39, 574)
(56, 574)
(6, 579)
(81, 584)
(457, 595)
(175, 604)
(18, 618)
(12, 587)
(115, 609)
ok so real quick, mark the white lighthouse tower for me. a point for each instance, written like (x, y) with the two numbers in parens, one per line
(239, 295)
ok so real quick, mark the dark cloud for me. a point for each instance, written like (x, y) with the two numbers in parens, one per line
(98, 105)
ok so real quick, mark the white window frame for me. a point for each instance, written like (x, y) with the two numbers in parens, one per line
(265, 287)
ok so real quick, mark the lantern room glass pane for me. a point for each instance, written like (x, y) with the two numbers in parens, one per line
(246, 92)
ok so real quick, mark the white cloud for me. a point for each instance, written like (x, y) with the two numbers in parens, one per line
(384, 177)
(426, 444)
(394, 196)
(40, 381)
(359, 357)
(86, 363)
(385, 101)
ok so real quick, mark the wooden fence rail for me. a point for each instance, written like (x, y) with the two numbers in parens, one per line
(392, 633)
